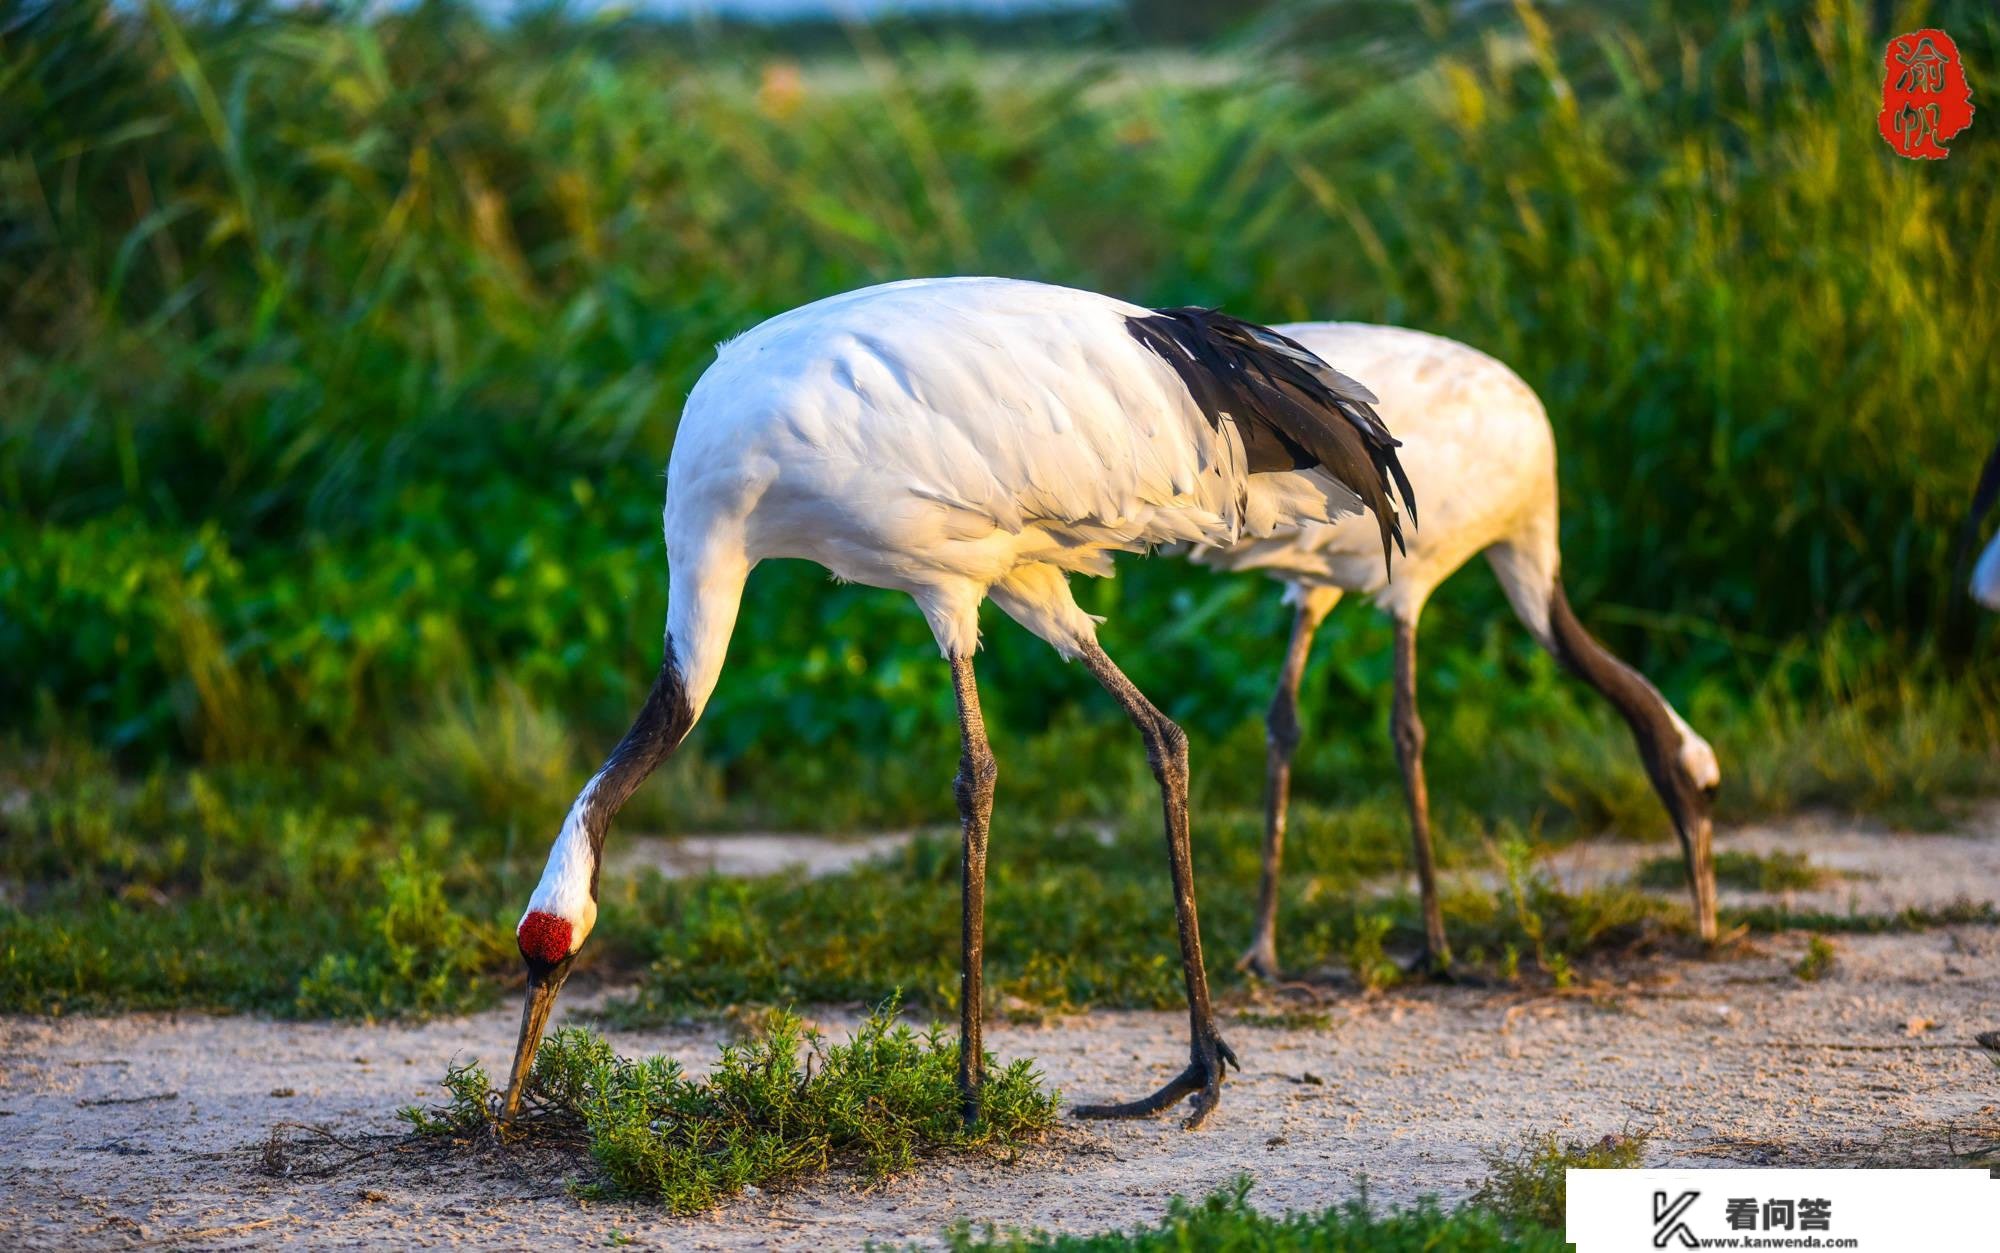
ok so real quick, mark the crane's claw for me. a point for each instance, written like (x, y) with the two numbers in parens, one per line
(1211, 1060)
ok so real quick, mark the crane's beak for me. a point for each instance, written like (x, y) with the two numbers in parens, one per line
(1701, 873)
(541, 999)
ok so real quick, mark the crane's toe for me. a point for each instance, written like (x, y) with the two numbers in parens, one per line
(1202, 1079)
(1260, 960)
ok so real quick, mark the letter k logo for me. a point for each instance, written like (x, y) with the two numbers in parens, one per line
(1667, 1220)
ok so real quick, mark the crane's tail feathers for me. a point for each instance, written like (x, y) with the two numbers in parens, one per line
(1292, 410)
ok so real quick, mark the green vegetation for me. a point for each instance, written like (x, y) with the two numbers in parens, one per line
(1226, 1222)
(1526, 1184)
(1749, 872)
(781, 1106)
(341, 356)
(1818, 960)
(1770, 919)
(234, 889)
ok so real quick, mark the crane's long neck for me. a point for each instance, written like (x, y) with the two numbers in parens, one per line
(1662, 734)
(705, 592)
(662, 723)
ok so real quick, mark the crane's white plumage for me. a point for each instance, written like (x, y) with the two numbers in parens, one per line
(952, 437)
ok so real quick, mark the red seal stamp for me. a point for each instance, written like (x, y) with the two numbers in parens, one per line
(1925, 98)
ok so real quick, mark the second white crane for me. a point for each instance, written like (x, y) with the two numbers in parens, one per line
(1477, 447)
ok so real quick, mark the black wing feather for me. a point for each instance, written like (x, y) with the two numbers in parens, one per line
(1292, 410)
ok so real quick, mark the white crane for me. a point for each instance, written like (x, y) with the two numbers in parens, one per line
(1477, 447)
(960, 439)
(1985, 586)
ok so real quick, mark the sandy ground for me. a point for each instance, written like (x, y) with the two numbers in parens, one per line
(744, 855)
(153, 1129)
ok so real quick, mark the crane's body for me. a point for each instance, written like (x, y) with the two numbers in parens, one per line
(960, 436)
(956, 440)
(1479, 452)
(1478, 449)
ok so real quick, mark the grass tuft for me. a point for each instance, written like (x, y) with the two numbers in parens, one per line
(1526, 1184)
(779, 1107)
(1818, 961)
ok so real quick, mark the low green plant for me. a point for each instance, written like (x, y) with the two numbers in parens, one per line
(1526, 1184)
(1772, 919)
(238, 888)
(1559, 927)
(1226, 1221)
(419, 955)
(782, 1105)
(1780, 871)
(1817, 962)
(1367, 960)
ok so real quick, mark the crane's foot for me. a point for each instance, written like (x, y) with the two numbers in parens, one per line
(1202, 1078)
(1260, 959)
(1432, 966)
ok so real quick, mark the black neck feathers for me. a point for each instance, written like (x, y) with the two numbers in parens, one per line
(662, 723)
(1637, 700)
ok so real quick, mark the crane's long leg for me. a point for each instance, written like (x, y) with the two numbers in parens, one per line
(1166, 750)
(1281, 740)
(974, 787)
(1407, 729)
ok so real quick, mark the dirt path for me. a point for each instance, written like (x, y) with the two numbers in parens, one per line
(150, 1129)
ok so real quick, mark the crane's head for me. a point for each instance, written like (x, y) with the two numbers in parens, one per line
(1693, 776)
(560, 914)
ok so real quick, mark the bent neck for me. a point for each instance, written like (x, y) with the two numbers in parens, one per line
(1637, 701)
(578, 855)
(662, 723)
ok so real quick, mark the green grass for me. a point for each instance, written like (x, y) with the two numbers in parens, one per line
(1518, 1209)
(1749, 872)
(375, 889)
(781, 1107)
(1526, 1182)
(1292, 1018)
(1226, 1221)
(1818, 961)
(1771, 919)
(237, 889)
